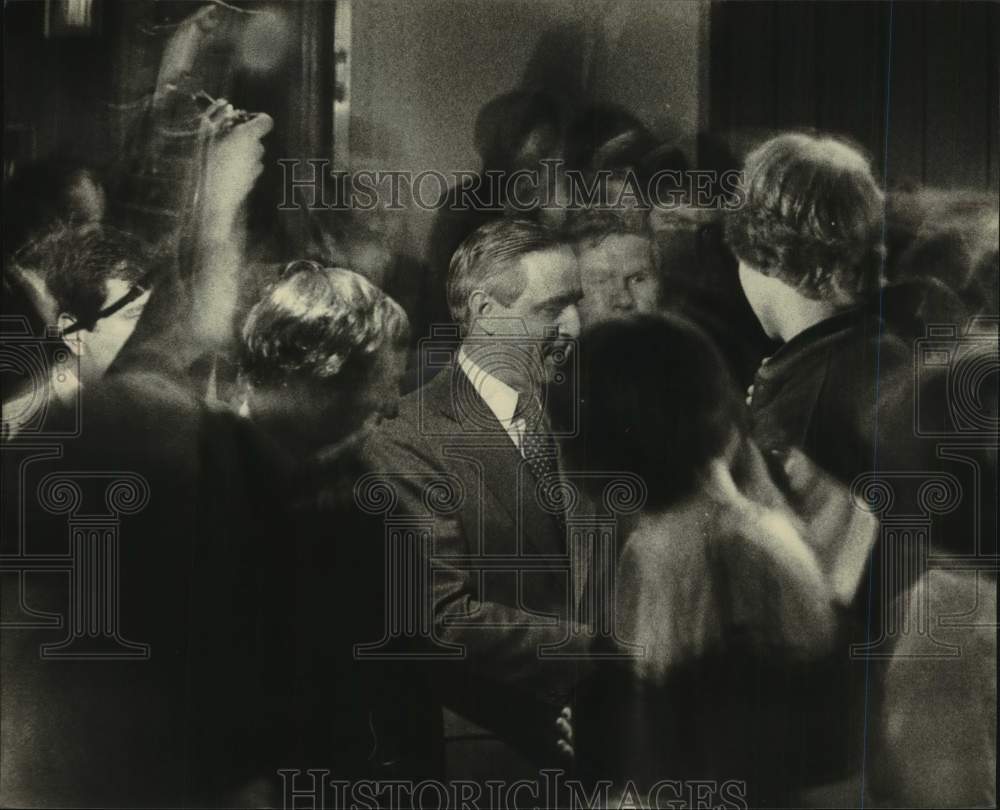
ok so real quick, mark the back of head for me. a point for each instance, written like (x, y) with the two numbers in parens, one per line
(812, 217)
(654, 399)
(487, 261)
(319, 325)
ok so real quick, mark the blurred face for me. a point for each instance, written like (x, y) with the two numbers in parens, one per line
(547, 187)
(618, 278)
(540, 144)
(545, 315)
(88, 199)
(371, 258)
(97, 348)
(386, 380)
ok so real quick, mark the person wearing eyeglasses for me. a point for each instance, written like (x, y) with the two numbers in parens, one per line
(201, 719)
(99, 282)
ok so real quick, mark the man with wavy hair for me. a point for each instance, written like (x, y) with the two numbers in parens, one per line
(322, 354)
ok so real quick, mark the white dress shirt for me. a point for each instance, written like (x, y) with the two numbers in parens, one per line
(498, 396)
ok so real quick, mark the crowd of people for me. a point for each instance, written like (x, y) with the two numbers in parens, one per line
(582, 492)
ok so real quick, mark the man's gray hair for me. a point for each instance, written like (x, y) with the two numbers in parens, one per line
(486, 259)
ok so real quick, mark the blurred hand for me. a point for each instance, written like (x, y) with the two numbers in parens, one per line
(841, 530)
(564, 725)
(233, 164)
(182, 49)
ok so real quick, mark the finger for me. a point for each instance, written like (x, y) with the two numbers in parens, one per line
(216, 111)
(801, 472)
(260, 124)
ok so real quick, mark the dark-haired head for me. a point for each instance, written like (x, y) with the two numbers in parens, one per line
(76, 263)
(654, 399)
(96, 280)
(812, 218)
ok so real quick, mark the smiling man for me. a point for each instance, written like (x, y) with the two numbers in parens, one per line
(479, 429)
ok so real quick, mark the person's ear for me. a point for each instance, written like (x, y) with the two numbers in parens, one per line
(481, 308)
(74, 342)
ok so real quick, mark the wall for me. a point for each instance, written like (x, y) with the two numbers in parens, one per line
(915, 83)
(420, 71)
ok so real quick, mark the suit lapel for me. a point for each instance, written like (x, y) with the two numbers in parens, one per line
(505, 474)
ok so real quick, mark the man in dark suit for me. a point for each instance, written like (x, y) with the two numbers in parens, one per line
(471, 461)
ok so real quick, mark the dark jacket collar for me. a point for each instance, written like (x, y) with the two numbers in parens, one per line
(820, 338)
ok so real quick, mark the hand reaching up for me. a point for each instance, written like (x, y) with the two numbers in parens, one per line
(233, 162)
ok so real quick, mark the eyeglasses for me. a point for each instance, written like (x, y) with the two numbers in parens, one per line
(135, 292)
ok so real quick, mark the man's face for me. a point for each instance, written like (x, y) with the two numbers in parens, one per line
(99, 347)
(619, 279)
(545, 313)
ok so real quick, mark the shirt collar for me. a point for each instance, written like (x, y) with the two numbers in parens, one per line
(498, 396)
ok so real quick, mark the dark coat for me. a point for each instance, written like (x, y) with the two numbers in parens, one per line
(198, 715)
(490, 621)
(837, 391)
(359, 718)
(191, 600)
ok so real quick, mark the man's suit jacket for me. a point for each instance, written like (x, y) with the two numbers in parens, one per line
(447, 444)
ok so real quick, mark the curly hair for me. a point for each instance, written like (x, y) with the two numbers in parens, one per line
(319, 324)
(813, 217)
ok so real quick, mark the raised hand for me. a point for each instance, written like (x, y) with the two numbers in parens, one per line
(233, 162)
